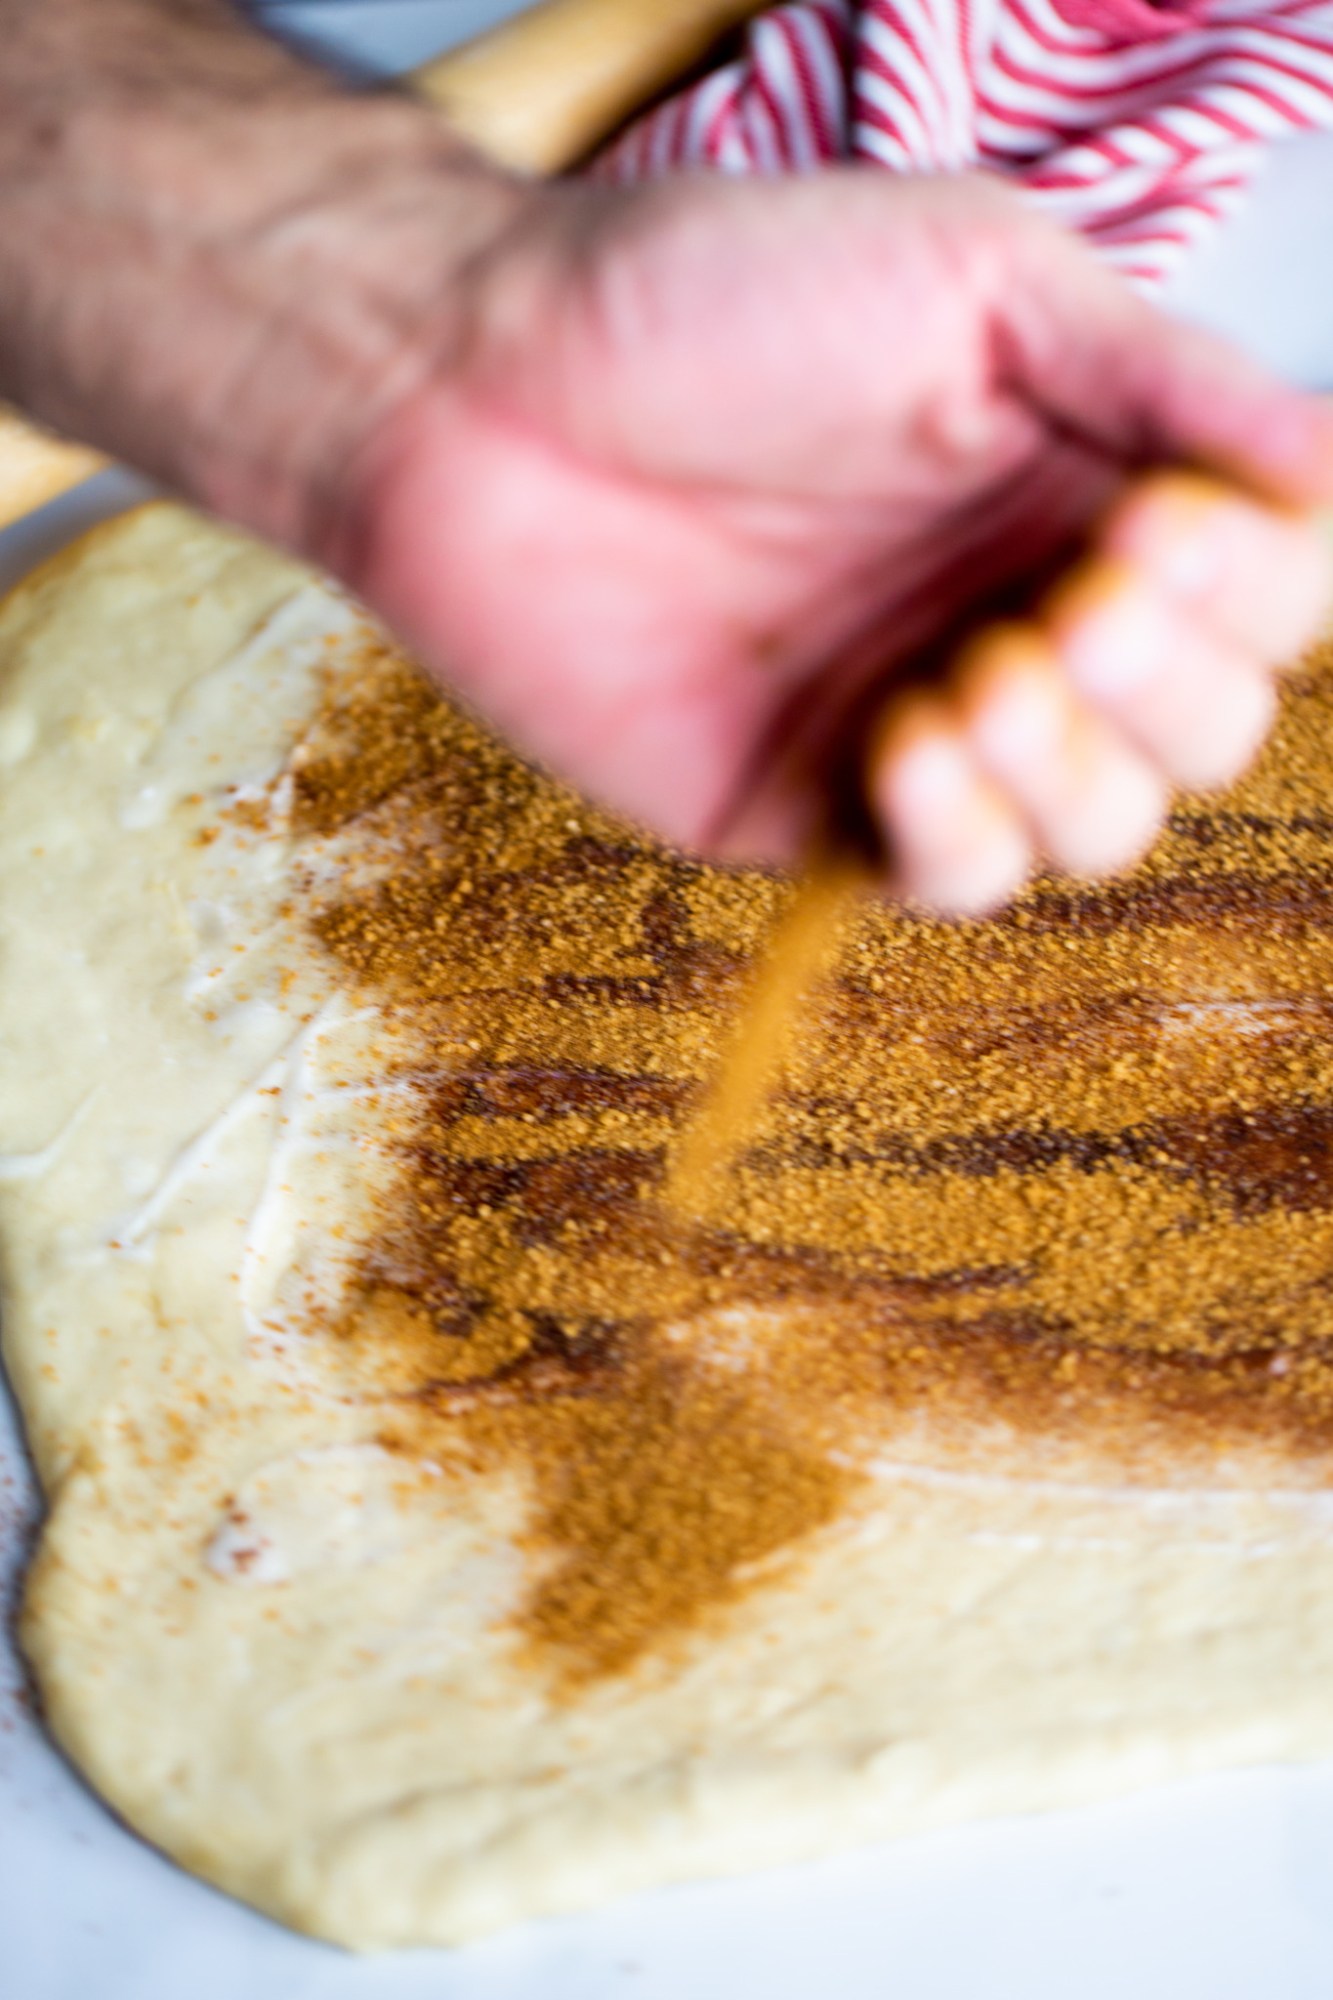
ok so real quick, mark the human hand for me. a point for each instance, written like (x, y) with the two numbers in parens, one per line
(714, 466)
(678, 484)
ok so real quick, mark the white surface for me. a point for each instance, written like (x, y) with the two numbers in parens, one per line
(1267, 280)
(1216, 1890)
(1219, 1890)
(386, 34)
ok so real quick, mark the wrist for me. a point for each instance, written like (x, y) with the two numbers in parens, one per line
(229, 278)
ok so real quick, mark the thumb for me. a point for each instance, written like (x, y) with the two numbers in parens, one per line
(1074, 341)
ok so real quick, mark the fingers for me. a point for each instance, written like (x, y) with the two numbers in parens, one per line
(1256, 576)
(957, 845)
(1198, 708)
(1091, 802)
(1150, 667)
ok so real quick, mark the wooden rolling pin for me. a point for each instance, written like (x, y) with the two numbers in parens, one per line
(36, 467)
(537, 94)
(540, 92)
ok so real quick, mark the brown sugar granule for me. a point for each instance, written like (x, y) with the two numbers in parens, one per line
(655, 1502)
(800, 949)
(1058, 1184)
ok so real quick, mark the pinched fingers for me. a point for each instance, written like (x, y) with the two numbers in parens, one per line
(1197, 706)
(1149, 667)
(1090, 800)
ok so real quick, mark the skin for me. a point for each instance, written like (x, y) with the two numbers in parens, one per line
(706, 493)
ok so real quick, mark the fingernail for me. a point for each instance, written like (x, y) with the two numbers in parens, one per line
(926, 777)
(1193, 559)
(1176, 525)
(991, 869)
(1119, 645)
(1017, 723)
(1115, 818)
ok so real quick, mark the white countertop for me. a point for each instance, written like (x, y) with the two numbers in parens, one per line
(1219, 1889)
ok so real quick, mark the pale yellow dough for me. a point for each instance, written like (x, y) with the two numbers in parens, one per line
(283, 1655)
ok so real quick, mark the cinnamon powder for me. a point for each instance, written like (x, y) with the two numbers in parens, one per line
(1065, 1177)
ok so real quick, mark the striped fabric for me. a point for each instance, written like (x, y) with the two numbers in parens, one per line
(1139, 122)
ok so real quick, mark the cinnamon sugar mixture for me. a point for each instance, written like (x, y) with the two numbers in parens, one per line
(1064, 1179)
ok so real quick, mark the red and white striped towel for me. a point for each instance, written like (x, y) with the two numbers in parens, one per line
(1139, 122)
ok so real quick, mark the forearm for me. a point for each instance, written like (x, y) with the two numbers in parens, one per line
(215, 262)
